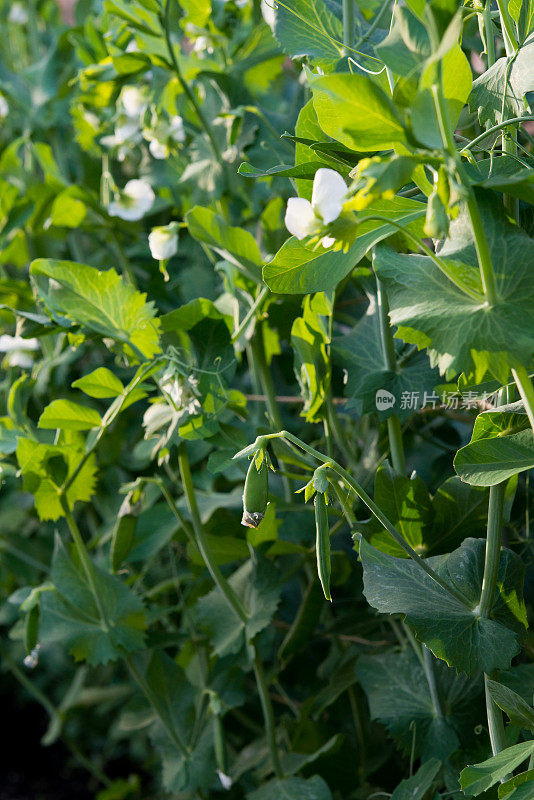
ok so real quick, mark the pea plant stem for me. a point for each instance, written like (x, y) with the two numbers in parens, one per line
(200, 536)
(488, 33)
(348, 22)
(494, 128)
(429, 666)
(362, 494)
(396, 445)
(481, 243)
(204, 124)
(232, 599)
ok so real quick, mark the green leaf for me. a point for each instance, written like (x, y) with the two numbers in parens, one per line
(520, 786)
(399, 697)
(70, 615)
(308, 29)
(454, 631)
(459, 511)
(40, 479)
(309, 136)
(300, 269)
(486, 462)
(309, 339)
(293, 789)
(259, 588)
(234, 244)
(406, 503)
(478, 778)
(100, 383)
(461, 332)
(360, 353)
(503, 86)
(67, 211)
(513, 705)
(417, 786)
(100, 302)
(69, 416)
(305, 171)
(356, 112)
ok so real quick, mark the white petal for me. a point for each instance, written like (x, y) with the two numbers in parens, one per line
(163, 244)
(9, 344)
(300, 219)
(329, 191)
(133, 101)
(158, 150)
(177, 129)
(268, 12)
(4, 108)
(328, 241)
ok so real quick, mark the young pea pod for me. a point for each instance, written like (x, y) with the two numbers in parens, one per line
(124, 532)
(31, 629)
(256, 493)
(436, 220)
(322, 543)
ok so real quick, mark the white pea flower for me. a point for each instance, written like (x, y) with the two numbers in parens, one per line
(158, 150)
(18, 350)
(132, 101)
(133, 201)
(163, 241)
(304, 218)
(203, 44)
(176, 129)
(184, 393)
(4, 108)
(18, 14)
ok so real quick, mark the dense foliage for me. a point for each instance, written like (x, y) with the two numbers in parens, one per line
(211, 428)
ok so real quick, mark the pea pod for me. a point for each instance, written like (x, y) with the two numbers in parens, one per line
(322, 543)
(124, 533)
(31, 628)
(255, 494)
(436, 221)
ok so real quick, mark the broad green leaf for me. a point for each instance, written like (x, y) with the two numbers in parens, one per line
(503, 174)
(406, 503)
(300, 269)
(309, 339)
(407, 46)
(459, 511)
(360, 353)
(144, 16)
(236, 245)
(67, 211)
(293, 789)
(417, 786)
(459, 331)
(308, 29)
(259, 588)
(356, 112)
(516, 74)
(513, 705)
(454, 631)
(457, 83)
(305, 171)
(100, 383)
(398, 696)
(45, 467)
(185, 769)
(308, 135)
(100, 302)
(69, 416)
(486, 462)
(520, 787)
(70, 614)
(478, 778)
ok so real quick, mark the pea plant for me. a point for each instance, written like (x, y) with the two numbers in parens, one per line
(267, 294)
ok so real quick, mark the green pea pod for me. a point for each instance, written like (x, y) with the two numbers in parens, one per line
(436, 221)
(123, 533)
(322, 543)
(255, 494)
(31, 629)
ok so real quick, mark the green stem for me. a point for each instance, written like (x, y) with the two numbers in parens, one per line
(396, 445)
(267, 710)
(481, 244)
(187, 89)
(243, 325)
(362, 494)
(201, 539)
(498, 127)
(510, 40)
(495, 722)
(526, 390)
(348, 23)
(429, 667)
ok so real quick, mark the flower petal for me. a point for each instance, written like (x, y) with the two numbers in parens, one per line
(300, 219)
(329, 192)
